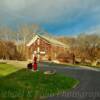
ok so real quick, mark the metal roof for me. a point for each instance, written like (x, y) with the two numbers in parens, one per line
(49, 39)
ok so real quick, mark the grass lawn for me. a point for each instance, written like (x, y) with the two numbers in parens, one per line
(23, 84)
(6, 69)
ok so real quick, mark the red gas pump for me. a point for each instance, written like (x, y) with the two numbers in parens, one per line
(35, 63)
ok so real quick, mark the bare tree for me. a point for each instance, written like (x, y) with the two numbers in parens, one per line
(88, 45)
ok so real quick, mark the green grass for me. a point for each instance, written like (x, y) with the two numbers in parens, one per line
(27, 85)
(6, 69)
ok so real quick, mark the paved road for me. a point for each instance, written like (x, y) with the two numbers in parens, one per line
(88, 89)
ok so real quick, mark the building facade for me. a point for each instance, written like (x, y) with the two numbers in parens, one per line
(47, 48)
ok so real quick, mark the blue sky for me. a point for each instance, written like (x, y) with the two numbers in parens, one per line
(59, 17)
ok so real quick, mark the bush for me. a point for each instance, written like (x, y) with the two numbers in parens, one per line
(66, 57)
(8, 50)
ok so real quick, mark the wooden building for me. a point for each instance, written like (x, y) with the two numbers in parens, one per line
(46, 47)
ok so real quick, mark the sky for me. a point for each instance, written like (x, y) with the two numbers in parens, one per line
(59, 17)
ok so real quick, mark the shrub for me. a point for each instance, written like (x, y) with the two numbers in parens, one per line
(66, 57)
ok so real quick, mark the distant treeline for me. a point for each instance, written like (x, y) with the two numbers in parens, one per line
(85, 48)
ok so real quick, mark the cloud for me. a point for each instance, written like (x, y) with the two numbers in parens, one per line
(54, 13)
(45, 9)
(94, 30)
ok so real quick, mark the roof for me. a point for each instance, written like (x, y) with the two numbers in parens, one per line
(49, 39)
